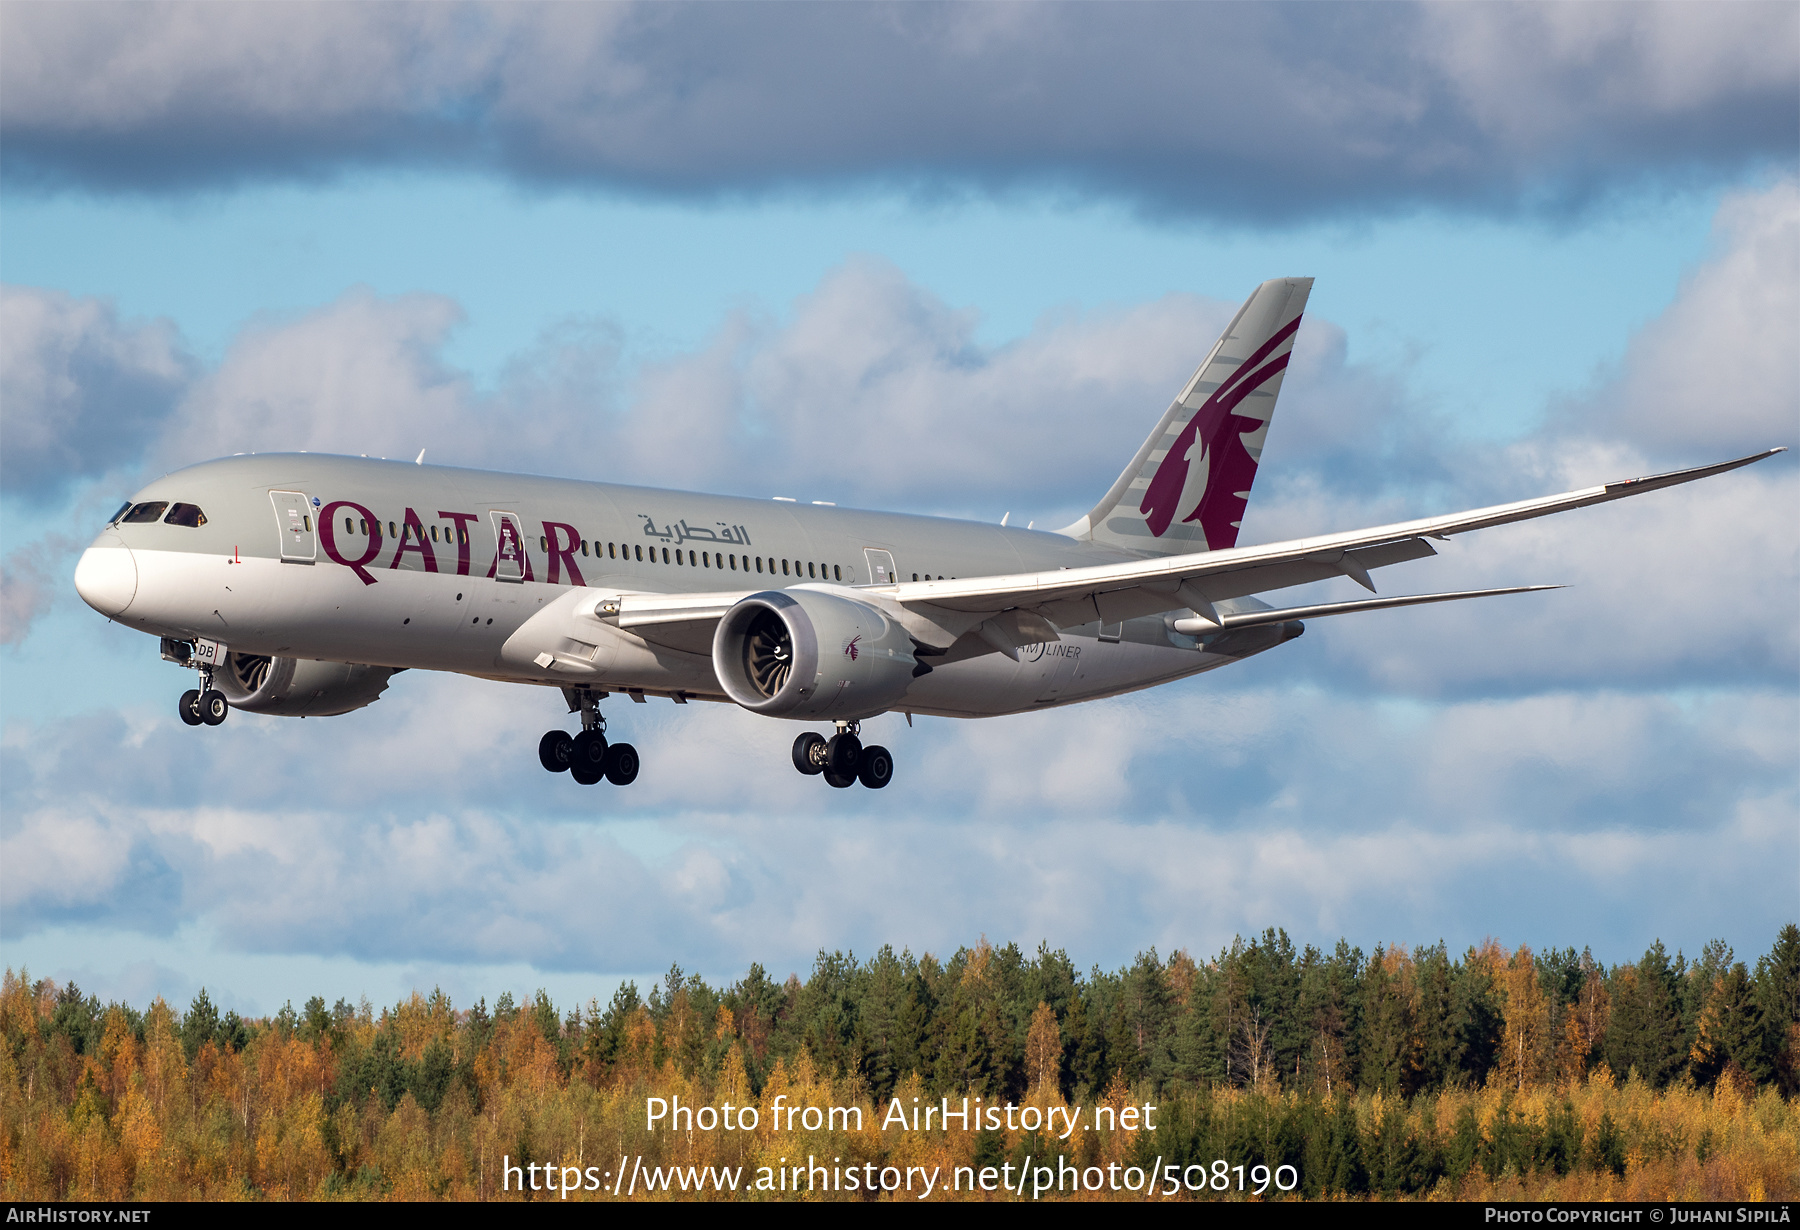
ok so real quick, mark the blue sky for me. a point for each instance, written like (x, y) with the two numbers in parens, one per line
(1553, 247)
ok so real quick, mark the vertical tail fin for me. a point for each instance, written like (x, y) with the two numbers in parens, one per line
(1187, 488)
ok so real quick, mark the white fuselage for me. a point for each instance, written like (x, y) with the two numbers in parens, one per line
(382, 563)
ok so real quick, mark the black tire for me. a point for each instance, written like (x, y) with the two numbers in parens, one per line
(587, 750)
(214, 708)
(839, 781)
(555, 750)
(585, 775)
(621, 764)
(805, 758)
(189, 706)
(842, 755)
(876, 769)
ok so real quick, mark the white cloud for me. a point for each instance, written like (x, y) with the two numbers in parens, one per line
(1176, 817)
(359, 376)
(1720, 369)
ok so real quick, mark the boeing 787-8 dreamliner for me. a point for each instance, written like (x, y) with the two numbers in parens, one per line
(299, 584)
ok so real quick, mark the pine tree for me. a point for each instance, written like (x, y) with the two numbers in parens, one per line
(1388, 1049)
(1436, 1020)
(1778, 1009)
(1646, 1034)
(1726, 1033)
(199, 1025)
(1476, 995)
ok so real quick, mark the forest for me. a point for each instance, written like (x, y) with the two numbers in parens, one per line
(1398, 1073)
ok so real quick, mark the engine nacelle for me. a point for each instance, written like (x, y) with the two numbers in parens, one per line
(809, 653)
(293, 687)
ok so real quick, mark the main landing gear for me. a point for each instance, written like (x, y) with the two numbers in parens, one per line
(588, 757)
(204, 704)
(842, 760)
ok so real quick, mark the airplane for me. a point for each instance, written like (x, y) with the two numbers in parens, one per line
(299, 584)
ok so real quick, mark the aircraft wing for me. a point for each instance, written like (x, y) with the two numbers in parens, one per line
(1008, 611)
(1113, 592)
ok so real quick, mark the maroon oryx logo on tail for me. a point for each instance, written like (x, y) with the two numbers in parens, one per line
(1201, 478)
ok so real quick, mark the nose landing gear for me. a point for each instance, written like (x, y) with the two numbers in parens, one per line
(205, 705)
(588, 757)
(842, 760)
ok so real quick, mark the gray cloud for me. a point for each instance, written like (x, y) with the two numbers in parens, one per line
(1254, 112)
(80, 391)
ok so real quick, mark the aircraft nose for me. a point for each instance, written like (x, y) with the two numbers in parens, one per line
(106, 578)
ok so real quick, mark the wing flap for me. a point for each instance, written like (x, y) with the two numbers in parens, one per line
(1255, 619)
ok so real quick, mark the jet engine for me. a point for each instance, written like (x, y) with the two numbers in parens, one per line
(293, 687)
(809, 654)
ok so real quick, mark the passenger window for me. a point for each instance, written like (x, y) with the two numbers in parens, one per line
(143, 513)
(809, 570)
(349, 526)
(543, 544)
(185, 514)
(434, 536)
(584, 546)
(392, 532)
(784, 568)
(665, 555)
(611, 551)
(759, 563)
(362, 524)
(837, 573)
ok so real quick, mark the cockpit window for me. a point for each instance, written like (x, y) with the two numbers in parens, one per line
(186, 514)
(123, 509)
(151, 511)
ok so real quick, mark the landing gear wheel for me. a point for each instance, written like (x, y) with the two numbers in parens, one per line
(555, 751)
(214, 708)
(837, 781)
(189, 707)
(876, 769)
(621, 764)
(809, 753)
(842, 754)
(585, 775)
(587, 751)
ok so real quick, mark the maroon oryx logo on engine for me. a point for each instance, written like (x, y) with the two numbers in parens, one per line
(850, 647)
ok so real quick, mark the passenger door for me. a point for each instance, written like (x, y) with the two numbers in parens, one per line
(881, 566)
(509, 554)
(294, 524)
